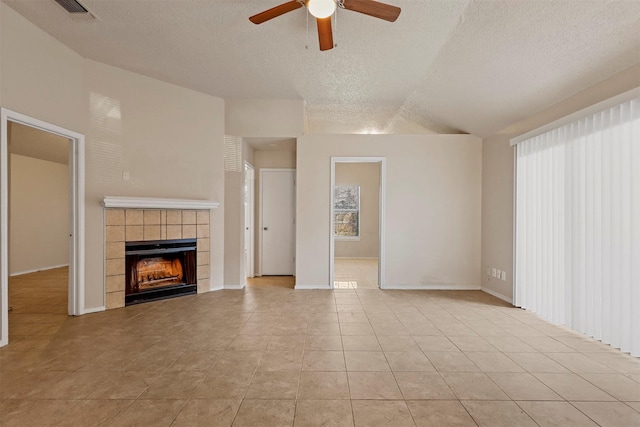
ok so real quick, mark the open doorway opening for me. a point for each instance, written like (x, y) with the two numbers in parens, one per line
(38, 228)
(274, 163)
(41, 221)
(249, 209)
(357, 200)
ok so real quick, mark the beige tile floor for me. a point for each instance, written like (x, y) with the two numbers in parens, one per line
(271, 356)
(355, 273)
(288, 282)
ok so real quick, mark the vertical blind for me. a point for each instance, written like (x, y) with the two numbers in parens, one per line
(578, 226)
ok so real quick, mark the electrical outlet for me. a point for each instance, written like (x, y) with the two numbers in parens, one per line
(125, 175)
(494, 272)
(503, 276)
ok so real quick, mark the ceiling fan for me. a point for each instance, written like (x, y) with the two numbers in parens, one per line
(322, 11)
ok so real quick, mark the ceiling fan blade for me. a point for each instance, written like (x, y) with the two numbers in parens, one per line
(325, 34)
(373, 8)
(274, 12)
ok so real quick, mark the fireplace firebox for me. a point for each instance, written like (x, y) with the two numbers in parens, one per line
(159, 269)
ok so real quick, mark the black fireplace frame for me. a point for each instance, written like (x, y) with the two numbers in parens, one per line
(137, 250)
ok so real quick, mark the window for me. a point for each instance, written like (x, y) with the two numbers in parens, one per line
(346, 211)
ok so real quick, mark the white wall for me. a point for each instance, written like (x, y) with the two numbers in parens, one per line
(170, 139)
(432, 207)
(41, 77)
(264, 117)
(367, 176)
(39, 237)
(498, 176)
(234, 230)
(247, 153)
(497, 213)
(274, 159)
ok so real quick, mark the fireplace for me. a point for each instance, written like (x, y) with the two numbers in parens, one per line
(159, 269)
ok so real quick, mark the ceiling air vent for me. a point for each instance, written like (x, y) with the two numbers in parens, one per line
(76, 10)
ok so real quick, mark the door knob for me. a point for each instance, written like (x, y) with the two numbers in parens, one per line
(265, 228)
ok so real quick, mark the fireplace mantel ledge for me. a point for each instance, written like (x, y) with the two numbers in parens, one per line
(154, 203)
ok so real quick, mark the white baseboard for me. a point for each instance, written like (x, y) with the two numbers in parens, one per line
(93, 310)
(432, 287)
(325, 287)
(356, 257)
(233, 287)
(20, 273)
(497, 295)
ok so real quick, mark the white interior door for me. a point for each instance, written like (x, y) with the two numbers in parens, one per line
(278, 222)
(248, 219)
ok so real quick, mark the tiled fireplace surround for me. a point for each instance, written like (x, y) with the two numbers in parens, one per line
(122, 225)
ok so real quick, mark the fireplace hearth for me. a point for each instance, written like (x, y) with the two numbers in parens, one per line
(159, 269)
(130, 219)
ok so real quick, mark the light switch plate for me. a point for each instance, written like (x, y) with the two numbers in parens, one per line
(503, 276)
(494, 272)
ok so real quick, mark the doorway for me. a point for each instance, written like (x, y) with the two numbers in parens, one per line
(357, 222)
(75, 155)
(249, 210)
(277, 222)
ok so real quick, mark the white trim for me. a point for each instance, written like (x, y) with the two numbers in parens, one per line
(356, 257)
(155, 203)
(4, 232)
(295, 211)
(349, 238)
(76, 220)
(20, 273)
(593, 109)
(251, 177)
(513, 228)
(94, 309)
(381, 224)
(258, 270)
(309, 287)
(77, 251)
(497, 295)
(233, 287)
(435, 287)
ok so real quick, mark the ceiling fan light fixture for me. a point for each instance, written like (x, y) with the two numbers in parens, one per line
(321, 8)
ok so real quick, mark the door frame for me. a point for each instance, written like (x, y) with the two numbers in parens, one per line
(76, 214)
(260, 188)
(250, 183)
(381, 229)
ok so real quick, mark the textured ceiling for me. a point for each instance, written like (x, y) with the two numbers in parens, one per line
(444, 66)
